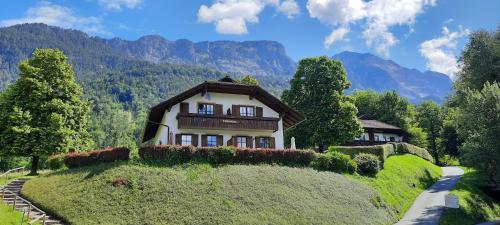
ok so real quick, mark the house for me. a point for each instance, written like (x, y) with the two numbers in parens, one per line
(377, 132)
(222, 112)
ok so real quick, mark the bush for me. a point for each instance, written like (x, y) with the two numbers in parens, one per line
(382, 151)
(279, 156)
(216, 155)
(448, 160)
(334, 161)
(55, 162)
(367, 164)
(170, 153)
(405, 148)
(78, 159)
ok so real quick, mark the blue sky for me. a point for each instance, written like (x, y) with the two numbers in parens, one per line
(421, 34)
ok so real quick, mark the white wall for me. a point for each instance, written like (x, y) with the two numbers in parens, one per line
(227, 100)
(381, 136)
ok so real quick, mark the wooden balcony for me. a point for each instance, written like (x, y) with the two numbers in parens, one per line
(216, 122)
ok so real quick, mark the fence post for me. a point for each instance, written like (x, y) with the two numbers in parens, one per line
(22, 218)
(14, 205)
(29, 211)
(3, 193)
(43, 220)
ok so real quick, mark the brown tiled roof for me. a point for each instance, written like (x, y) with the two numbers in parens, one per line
(377, 125)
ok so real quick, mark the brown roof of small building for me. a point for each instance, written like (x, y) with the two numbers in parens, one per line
(377, 125)
(224, 85)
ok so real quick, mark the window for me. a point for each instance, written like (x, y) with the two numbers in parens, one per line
(264, 142)
(206, 109)
(186, 139)
(247, 111)
(211, 141)
(241, 142)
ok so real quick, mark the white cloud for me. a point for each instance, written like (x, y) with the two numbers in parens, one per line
(336, 35)
(439, 51)
(119, 4)
(56, 15)
(232, 16)
(378, 17)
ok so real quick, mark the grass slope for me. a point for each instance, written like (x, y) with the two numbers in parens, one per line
(403, 178)
(8, 216)
(201, 194)
(474, 205)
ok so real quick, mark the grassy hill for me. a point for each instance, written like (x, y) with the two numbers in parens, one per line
(231, 194)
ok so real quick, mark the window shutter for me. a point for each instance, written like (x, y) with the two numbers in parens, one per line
(204, 141)
(218, 109)
(257, 142)
(258, 111)
(194, 140)
(272, 142)
(249, 142)
(220, 140)
(236, 110)
(231, 142)
(178, 139)
(184, 107)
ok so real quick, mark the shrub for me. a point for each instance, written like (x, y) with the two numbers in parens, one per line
(216, 155)
(279, 156)
(78, 159)
(367, 164)
(382, 151)
(55, 162)
(448, 160)
(170, 153)
(335, 161)
(405, 148)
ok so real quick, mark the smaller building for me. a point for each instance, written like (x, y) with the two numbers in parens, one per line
(378, 132)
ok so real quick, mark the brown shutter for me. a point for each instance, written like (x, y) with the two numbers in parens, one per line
(204, 141)
(258, 111)
(194, 140)
(231, 141)
(236, 110)
(272, 142)
(178, 139)
(249, 142)
(184, 107)
(257, 143)
(218, 109)
(220, 140)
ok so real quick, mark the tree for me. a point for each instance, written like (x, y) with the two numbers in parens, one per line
(480, 62)
(418, 136)
(317, 91)
(449, 136)
(248, 79)
(43, 112)
(480, 126)
(366, 102)
(430, 119)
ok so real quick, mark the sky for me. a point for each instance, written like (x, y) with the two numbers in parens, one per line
(420, 34)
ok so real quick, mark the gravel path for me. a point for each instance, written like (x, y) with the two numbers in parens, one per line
(427, 208)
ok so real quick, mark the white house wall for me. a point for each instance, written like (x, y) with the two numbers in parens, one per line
(227, 100)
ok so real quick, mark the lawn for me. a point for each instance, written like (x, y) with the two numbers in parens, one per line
(202, 194)
(403, 178)
(474, 205)
(8, 216)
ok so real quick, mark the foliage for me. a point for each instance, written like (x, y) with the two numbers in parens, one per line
(367, 164)
(418, 136)
(248, 79)
(448, 160)
(474, 205)
(402, 180)
(79, 159)
(334, 161)
(216, 155)
(55, 162)
(405, 148)
(449, 139)
(43, 112)
(480, 62)
(317, 91)
(430, 119)
(10, 216)
(382, 151)
(11, 162)
(480, 125)
(202, 194)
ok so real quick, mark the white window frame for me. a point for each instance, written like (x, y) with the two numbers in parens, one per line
(267, 142)
(248, 111)
(241, 141)
(186, 139)
(206, 108)
(211, 143)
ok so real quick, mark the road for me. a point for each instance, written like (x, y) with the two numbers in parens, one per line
(427, 208)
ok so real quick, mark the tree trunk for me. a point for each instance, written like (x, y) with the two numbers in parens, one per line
(34, 165)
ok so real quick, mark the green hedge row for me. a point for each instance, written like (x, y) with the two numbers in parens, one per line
(385, 150)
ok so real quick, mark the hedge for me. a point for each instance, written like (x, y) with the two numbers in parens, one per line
(382, 151)
(368, 164)
(78, 159)
(56, 161)
(224, 154)
(334, 161)
(405, 148)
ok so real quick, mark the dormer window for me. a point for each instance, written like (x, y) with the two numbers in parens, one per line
(247, 111)
(205, 109)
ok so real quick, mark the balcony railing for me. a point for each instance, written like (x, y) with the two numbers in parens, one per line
(193, 120)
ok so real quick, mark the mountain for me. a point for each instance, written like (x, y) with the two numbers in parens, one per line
(367, 71)
(259, 58)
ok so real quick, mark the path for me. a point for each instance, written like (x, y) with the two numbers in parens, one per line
(13, 189)
(427, 208)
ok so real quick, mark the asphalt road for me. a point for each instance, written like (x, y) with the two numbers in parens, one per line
(427, 208)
